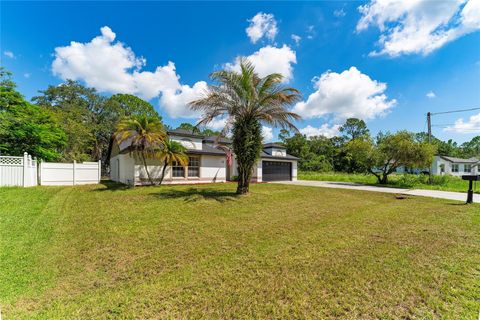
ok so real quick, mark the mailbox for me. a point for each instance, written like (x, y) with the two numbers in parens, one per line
(470, 179)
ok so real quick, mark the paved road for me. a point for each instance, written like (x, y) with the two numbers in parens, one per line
(459, 196)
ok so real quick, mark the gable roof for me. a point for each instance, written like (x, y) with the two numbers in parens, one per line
(460, 160)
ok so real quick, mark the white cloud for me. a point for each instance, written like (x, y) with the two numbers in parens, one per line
(324, 130)
(339, 13)
(113, 67)
(418, 26)
(269, 60)
(262, 25)
(431, 95)
(267, 134)
(9, 54)
(311, 32)
(27, 75)
(346, 95)
(296, 38)
(471, 126)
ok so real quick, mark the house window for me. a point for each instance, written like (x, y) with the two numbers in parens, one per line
(178, 171)
(194, 167)
(454, 167)
(468, 168)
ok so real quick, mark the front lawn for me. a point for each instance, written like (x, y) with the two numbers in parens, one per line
(189, 252)
(410, 181)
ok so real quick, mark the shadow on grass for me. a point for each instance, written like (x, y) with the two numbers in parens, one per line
(112, 186)
(196, 194)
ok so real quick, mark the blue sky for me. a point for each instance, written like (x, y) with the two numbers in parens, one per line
(332, 52)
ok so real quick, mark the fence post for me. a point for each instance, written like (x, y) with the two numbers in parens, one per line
(99, 170)
(25, 166)
(74, 168)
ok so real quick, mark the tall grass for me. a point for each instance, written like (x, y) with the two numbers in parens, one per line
(445, 183)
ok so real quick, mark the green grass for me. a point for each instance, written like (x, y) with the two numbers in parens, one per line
(445, 183)
(189, 252)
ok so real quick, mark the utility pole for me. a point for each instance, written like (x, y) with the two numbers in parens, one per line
(429, 122)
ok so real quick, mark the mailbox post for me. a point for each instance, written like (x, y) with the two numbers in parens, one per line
(470, 179)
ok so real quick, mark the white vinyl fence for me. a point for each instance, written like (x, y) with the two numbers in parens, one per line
(24, 172)
(69, 174)
(18, 171)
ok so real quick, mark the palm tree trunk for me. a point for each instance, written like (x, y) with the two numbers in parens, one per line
(244, 177)
(163, 173)
(146, 168)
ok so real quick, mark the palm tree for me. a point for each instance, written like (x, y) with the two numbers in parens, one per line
(247, 101)
(172, 152)
(146, 136)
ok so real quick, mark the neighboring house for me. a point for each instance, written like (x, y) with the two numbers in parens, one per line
(443, 165)
(207, 162)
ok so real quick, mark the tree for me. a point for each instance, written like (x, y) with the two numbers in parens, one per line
(247, 100)
(354, 128)
(146, 136)
(388, 152)
(127, 105)
(9, 96)
(81, 114)
(172, 151)
(25, 127)
(189, 127)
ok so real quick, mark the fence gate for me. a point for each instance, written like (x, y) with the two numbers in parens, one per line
(18, 171)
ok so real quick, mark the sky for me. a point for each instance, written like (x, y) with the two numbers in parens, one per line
(387, 62)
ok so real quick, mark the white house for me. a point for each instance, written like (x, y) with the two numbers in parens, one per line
(207, 163)
(443, 165)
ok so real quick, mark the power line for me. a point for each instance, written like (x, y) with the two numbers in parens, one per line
(454, 111)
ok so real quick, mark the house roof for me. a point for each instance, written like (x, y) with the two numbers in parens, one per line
(207, 149)
(274, 145)
(217, 139)
(184, 133)
(460, 160)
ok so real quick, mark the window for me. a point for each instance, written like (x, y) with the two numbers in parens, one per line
(194, 167)
(178, 171)
(454, 167)
(468, 168)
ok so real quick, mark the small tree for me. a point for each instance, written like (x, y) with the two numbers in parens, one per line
(390, 151)
(146, 136)
(172, 151)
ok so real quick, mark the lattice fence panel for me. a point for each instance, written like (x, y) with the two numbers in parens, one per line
(11, 161)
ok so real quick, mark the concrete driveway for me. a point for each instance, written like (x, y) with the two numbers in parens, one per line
(459, 196)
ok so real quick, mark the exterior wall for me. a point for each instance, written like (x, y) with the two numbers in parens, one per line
(438, 162)
(212, 169)
(188, 142)
(122, 169)
(257, 171)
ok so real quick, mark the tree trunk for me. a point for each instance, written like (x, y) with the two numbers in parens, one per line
(243, 185)
(163, 173)
(247, 145)
(384, 179)
(146, 168)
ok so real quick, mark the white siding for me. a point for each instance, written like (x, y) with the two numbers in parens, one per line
(122, 168)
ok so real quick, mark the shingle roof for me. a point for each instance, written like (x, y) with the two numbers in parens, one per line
(184, 133)
(460, 160)
(274, 145)
(217, 139)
